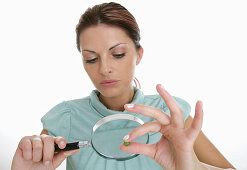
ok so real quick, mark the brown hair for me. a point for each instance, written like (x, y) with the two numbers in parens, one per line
(112, 14)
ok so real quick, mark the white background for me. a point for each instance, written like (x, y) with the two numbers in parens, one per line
(196, 49)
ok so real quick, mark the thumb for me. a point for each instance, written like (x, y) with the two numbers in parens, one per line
(61, 156)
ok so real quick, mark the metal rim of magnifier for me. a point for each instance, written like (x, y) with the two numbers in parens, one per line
(116, 117)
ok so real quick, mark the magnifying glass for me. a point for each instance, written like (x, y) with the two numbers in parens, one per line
(107, 136)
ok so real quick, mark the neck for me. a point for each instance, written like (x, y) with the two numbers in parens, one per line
(117, 102)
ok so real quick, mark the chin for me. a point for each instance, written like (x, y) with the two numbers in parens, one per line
(110, 91)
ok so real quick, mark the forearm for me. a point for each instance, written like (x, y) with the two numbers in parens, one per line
(210, 167)
(203, 166)
(206, 152)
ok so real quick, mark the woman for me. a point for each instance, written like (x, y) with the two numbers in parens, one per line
(108, 39)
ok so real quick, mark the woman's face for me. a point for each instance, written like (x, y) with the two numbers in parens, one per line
(109, 58)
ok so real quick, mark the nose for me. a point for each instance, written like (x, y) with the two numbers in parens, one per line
(105, 66)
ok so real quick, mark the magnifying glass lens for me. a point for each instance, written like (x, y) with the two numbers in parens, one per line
(108, 137)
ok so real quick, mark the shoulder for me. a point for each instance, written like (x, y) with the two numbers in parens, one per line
(57, 121)
(66, 107)
(78, 104)
(59, 109)
(156, 100)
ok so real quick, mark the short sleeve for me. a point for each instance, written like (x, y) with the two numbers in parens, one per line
(57, 120)
(184, 106)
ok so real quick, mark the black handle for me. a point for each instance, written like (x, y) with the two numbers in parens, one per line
(69, 146)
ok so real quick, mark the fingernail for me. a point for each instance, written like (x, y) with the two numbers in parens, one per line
(126, 137)
(130, 105)
(62, 143)
(162, 86)
(47, 163)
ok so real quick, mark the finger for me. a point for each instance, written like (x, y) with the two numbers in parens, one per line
(61, 156)
(48, 149)
(139, 148)
(142, 130)
(196, 125)
(37, 148)
(26, 146)
(61, 142)
(176, 113)
(149, 111)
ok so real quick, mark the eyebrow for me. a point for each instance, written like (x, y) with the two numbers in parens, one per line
(89, 51)
(116, 45)
(109, 48)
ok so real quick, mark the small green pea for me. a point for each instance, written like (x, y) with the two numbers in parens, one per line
(126, 143)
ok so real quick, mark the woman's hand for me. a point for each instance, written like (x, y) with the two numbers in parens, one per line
(37, 153)
(174, 151)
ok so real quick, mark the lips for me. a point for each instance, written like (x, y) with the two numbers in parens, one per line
(108, 83)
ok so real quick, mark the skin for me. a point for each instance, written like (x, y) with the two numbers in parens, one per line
(95, 44)
(175, 150)
(37, 153)
(101, 44)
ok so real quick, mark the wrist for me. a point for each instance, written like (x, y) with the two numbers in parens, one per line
(191, 162)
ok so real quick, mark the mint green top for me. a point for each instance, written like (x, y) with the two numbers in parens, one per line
(74, 120)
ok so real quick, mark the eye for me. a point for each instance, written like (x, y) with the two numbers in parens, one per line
(119, 55)
(92, 60)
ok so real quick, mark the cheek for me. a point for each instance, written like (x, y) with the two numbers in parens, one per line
(90, 71)
(131, 64)
(127, 68)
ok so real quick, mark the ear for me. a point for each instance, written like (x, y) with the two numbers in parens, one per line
(139, 55)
